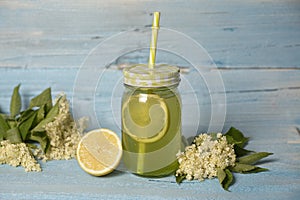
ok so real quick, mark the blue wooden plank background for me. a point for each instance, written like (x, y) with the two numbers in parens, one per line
(255, 45)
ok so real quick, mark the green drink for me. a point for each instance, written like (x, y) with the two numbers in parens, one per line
(151, 120)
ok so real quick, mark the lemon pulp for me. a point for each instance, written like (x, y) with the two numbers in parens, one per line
(145, 117)
(99, 152)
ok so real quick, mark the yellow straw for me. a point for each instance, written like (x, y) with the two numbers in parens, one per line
(153, 44)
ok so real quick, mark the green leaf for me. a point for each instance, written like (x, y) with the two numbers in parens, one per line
(3, 115)
(241, 168)
(24, 115)
(13, 135)
(44, 98)
(49, 118)
(225, 178)
(25, 126)
(12, 123)
(246, 169)
(256, 170)
(42, 138)
(3, 127)
(179, 179)
(15, 102)
(221, 175)
(253, 158)
(239, 151)
(41, 113)
(234, 136)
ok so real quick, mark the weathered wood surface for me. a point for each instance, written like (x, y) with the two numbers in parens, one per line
(255, 45)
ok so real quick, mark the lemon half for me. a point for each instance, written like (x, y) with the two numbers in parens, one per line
(145, 117)
(99, 152)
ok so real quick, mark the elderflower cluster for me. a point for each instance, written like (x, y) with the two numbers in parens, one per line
(64, 134)
(202, 159)
(18, 154)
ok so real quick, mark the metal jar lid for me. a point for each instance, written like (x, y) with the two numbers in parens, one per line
(159, 76)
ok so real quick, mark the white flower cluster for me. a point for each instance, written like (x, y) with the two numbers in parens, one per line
(64, 134)
(18, 154)
(202, 159)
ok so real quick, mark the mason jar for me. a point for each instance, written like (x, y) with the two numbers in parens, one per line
(151, 119)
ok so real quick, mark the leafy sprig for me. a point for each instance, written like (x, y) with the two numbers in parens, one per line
(245, 158)
(28, 125)
(245, 162)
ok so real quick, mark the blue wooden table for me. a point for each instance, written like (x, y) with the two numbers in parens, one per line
(248, 76)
